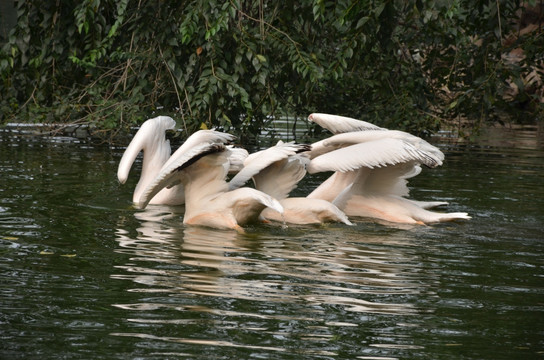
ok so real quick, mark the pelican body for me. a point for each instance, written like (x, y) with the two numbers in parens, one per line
(201, 165)
(276, 171)
(371, 167)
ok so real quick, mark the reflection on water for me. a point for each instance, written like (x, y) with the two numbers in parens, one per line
(85, 275)
(295, 275)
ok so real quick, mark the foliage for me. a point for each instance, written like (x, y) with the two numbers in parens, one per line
(471, 63)
(238, 64)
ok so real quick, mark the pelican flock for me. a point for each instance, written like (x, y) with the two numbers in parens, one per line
(370, 169)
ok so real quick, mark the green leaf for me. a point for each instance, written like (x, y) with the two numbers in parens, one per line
(379, 9)
(171, 64)
(362, 21)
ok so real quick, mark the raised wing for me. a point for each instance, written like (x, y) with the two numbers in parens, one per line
(372, 154)
(341, 124)
(257, 162)
(170, 173)
(198, 138)
(280, 178)
(389, 180)
(236, 159)
(347, 139)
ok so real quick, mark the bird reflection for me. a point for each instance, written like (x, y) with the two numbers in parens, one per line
(154, 237)
(362, 274)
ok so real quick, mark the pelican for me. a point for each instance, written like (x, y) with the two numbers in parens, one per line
(276, 172)
(202, 166)
(371, 167)
(151, 139)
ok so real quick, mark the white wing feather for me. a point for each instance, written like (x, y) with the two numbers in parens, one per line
(259, 161)
(371, 154)
(236, 159)
(170, 172)
(389, 180)
(198, 138)
(280, 178)
(347, 139)
(341, 124)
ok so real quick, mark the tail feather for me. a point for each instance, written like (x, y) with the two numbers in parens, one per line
(445, 217)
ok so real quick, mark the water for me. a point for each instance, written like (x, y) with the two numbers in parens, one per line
(85, 276)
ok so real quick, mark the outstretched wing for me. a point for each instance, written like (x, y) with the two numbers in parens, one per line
(170, 173)
(236, 159)
(341, 124)
(372, 154)
(280, 178)
(389, 180)
(198, 138)
(257, 162)
(347, 139)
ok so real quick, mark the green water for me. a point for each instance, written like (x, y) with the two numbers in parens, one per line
(85, 276)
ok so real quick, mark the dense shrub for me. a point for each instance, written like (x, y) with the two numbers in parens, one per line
(238, 64)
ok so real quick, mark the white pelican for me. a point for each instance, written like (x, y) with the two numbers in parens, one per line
(151, 139)
(276, 172)
(371, 168)
(202, 168)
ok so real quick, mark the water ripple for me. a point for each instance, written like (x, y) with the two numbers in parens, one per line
(189, 276)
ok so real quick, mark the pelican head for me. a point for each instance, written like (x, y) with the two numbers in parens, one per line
(151, 139)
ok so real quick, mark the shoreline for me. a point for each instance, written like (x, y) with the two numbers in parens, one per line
(531, 136)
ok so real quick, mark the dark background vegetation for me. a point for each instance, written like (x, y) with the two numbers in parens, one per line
(415, 65)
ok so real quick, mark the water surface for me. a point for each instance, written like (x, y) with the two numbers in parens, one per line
(85, 275)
